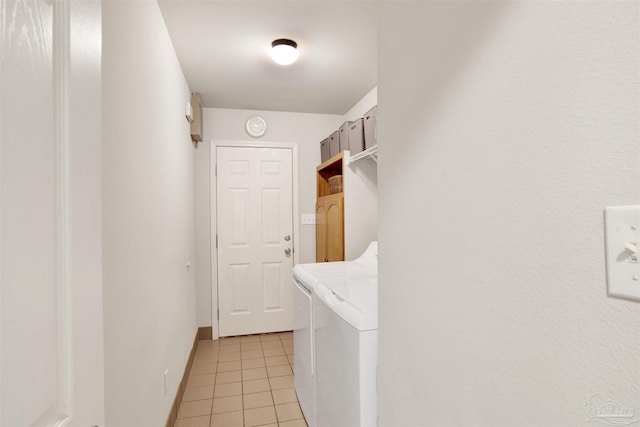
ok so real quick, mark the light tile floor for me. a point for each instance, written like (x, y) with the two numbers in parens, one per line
(242, 381)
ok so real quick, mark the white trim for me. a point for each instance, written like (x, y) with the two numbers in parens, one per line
(213, 145)
(213, 260)
(61, 76)
(2, 48)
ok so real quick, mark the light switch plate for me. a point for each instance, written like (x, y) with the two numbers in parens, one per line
(308, 219)
(622, 238)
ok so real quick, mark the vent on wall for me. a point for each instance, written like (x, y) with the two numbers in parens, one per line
(196, 122)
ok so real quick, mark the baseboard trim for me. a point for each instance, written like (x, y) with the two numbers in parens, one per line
(205, 333)
(202, 334)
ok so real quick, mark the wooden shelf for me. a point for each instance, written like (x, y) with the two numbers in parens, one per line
(326, 170)
(329, 164)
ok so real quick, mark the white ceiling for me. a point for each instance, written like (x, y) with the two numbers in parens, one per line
(223, 48)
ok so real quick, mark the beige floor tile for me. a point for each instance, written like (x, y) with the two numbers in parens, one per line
(198, 393)
(254, 374)
(205, 358)
(228, 419)
(226, 390)
(201, 380)
(253, 363)
(209, 351)
(193, 422)
(226, 404)
(288, 412)
(208, 344)
(288, 341)
(255, 386)
(269, 352)
(284, 395)
(293, 423)
(252, 354)
(195, 408)
(229, 340)
(231, 348)
(228, 357)
(281, 382)
(276, 360)
(228, 377)
(206, 352)
(272, 344)
(250, 338)
(257, 400)
(251, 346)
(238, 365)
(234, 365)
(279, 371)
(259, 416)
(204, 368)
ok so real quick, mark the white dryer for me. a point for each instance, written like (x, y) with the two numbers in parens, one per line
(346, 335)
(306, 277)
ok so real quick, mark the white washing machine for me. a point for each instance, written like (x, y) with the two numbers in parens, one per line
(346, 336)
(306, 277)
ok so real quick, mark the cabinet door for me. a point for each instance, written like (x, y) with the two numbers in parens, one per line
(321, 233)
(334, 222)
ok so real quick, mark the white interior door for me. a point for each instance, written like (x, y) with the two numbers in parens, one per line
(51, 358)
(255, 239)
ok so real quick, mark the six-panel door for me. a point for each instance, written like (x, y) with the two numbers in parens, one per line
(255, 239)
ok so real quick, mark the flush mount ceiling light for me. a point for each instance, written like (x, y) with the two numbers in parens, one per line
(284, 51)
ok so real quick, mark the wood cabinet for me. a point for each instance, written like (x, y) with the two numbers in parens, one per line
(330, 228)
(329, 213)
(346, 221)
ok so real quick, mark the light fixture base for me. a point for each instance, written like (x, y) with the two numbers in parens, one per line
(285, 42)
(284, 51)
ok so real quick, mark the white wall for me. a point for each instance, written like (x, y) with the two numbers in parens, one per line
(360, 191)
(506, 128)
(362, 106)
(51, 342)
(148, 216)
(306, 130)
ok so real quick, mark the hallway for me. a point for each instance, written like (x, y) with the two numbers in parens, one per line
(242, 381)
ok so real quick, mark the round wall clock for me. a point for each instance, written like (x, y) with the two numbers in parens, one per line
(256, 126)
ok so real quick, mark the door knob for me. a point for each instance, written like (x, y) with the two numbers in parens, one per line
(287, 238)
(287, 252)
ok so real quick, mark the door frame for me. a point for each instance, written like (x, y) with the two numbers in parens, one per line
(213, 205)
